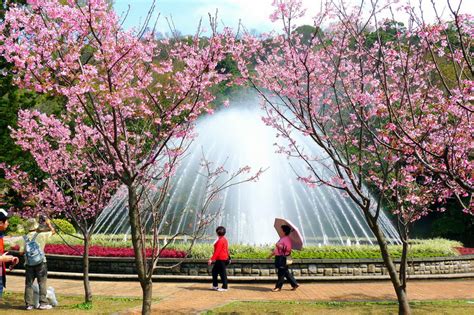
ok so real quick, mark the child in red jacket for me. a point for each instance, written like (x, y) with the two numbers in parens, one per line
(4, 257)
(220, 259)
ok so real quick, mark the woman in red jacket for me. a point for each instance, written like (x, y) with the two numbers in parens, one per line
(220, 258)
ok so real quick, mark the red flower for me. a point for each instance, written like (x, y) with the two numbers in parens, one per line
(465, 250)
(101, 251)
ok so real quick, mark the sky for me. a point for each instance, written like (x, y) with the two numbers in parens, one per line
(254, 14)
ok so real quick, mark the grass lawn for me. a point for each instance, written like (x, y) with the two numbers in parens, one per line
(13, 303)
(460, 307)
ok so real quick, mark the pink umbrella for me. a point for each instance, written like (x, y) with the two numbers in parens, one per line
(295, 235)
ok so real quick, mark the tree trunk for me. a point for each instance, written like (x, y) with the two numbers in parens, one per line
(139, 249)
(85, 270)
(147, 289)
(403, 306)
(403, 262)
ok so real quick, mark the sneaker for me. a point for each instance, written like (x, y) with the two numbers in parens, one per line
(30, 307)
(295, 287)
(215, 288)
(222, 290)
(45, 307)
(276, 290)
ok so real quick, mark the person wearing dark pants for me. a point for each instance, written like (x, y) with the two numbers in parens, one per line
(283, 273)
(219, 269)
(39, 272)
(220, 258)
(281, 251)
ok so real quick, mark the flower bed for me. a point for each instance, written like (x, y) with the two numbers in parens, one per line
(102, 246)
(465, 250)
(101, 251)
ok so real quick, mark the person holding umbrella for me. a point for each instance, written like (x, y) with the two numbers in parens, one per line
(288, 238)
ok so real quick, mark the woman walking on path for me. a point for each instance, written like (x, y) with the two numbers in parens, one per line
(281, 251)
(220, 259)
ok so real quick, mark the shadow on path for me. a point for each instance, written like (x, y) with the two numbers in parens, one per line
(232, 288)
(8, 306)
(254, 288)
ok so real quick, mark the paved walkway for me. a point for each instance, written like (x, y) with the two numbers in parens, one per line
(186, 298)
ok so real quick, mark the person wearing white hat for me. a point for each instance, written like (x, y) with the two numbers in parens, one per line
(32, 245)
(4, 257)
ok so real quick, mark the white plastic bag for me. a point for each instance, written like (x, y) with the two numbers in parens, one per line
(50, 295)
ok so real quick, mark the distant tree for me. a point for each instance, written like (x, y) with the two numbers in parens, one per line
(453, 224)
(308, 32)
(385, 33)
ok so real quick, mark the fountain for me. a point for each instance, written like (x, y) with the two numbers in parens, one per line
(238, 134)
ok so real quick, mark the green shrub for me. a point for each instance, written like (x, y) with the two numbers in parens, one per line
(15, 225)
(417, 248)
(63, 226)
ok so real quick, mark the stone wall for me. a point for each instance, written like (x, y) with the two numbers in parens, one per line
(264, 267)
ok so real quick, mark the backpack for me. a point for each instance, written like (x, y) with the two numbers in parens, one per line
(34, 254)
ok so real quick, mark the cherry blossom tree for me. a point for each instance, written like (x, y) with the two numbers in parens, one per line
(78, 183)
(115, 82)
(371, 109)
(79, 186)
(426, 77)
